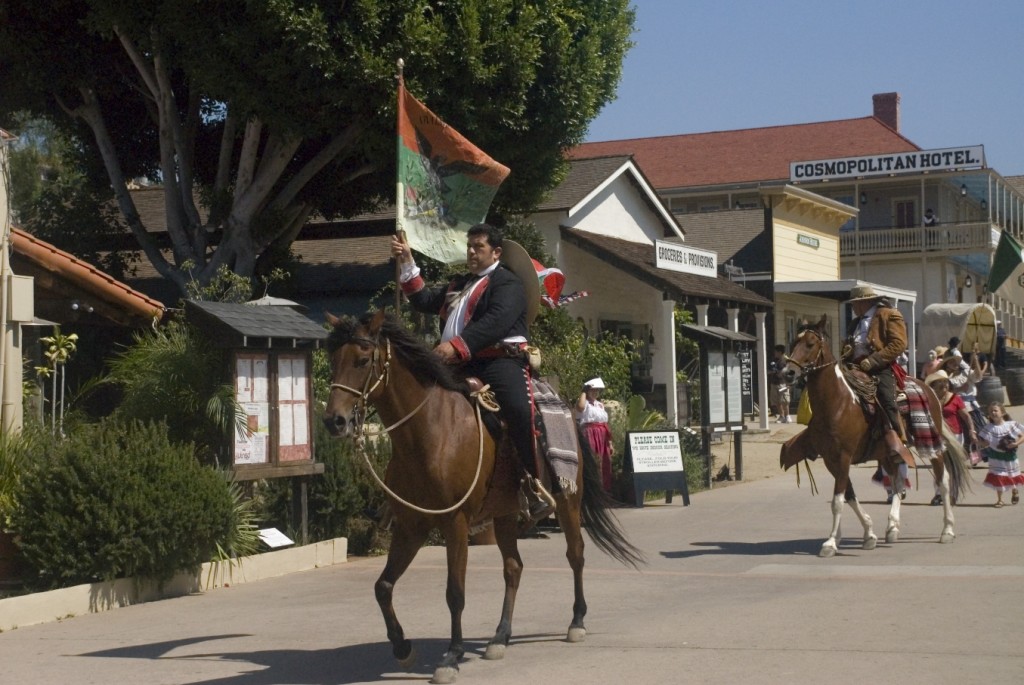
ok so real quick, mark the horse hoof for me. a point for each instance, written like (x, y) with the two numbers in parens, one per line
(827, 552)
(445, 675)
(946, 538)
(870, 543)
(892, 536)
(409, 661)
(494, 652)
(576, 635)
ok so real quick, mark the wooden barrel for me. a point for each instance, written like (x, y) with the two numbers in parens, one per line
(990, 389)
(1013, 381)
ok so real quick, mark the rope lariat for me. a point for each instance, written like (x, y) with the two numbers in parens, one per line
(483, 397)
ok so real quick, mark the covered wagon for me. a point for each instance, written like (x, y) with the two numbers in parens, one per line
(971, 322)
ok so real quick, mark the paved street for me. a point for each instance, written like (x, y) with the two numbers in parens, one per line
(733, 592)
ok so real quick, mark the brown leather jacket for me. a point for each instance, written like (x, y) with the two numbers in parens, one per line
(887, 335)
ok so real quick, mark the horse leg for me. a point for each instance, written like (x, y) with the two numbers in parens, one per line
(506, 532)
(870, 539)
(456, 535)
(942, 478)
(892, 529)
(569, 520)
(404, 546)
(829, 547)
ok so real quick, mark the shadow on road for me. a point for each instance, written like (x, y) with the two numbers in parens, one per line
(776, 547)
(361, 663)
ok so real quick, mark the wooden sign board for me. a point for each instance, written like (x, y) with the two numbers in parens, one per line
(655, 459)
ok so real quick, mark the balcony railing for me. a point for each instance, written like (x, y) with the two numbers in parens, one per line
(947, 238)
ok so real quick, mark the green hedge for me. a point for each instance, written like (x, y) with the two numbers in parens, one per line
(117, 500)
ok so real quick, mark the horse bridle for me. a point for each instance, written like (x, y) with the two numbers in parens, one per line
(812, 366)
(384, 375)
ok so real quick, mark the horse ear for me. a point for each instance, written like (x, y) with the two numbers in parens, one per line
(823, 321)
(376, 322)
(331, 319)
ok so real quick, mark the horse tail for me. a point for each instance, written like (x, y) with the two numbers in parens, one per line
(595, 511)
(955, 461)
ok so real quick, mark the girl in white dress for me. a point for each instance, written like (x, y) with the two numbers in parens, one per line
(1002, 436)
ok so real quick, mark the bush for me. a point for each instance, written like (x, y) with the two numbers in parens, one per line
(117, 500)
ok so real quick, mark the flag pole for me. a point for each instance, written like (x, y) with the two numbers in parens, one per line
(399, 188)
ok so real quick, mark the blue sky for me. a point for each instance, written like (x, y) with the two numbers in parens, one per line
(706, 65)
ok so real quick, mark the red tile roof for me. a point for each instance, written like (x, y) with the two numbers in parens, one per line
(748, 155)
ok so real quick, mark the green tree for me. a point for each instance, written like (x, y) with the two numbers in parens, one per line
(53, 196)
(276, 111)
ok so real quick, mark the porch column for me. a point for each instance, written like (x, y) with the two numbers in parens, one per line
(734, 319)
(762, 376)
(669, 346)
(702, 315)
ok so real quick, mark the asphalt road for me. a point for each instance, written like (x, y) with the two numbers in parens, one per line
(733, 592)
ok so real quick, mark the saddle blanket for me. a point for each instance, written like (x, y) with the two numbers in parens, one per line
(558, 441)
(927, 440)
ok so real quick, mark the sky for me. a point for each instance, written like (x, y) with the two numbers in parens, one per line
(720, 65)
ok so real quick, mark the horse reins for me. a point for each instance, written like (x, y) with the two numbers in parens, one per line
(362, 399)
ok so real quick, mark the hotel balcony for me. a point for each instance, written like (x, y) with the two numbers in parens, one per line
(950, 239)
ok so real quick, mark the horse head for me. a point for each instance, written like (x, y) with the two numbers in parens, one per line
(810, 351)
(360, 360)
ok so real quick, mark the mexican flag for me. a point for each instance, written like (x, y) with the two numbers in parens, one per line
(1006, 279)
(445, 183)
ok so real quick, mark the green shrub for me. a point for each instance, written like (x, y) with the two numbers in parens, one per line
(118, 500)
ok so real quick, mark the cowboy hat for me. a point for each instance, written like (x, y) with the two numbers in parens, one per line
(595, 383)
(515, 257)
(863, 292)
(939, 375)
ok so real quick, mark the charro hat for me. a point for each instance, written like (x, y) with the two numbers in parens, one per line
(595, 383)
(516, 258)
(863, 292)
(939, 375)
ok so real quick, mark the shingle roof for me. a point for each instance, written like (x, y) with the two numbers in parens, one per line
(736, 234)
(748, 155)
(584, 176)
(236, 325)
(637, 259)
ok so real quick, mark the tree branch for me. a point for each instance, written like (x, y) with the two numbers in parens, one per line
(325, 156)
(250, 149)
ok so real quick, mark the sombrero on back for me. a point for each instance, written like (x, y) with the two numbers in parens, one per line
(515, 257)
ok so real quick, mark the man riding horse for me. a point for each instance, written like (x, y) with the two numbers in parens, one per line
(484, 315)
(878, 338)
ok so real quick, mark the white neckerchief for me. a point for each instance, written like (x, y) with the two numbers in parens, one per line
(456, 322)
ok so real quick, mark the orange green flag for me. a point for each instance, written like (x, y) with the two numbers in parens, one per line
(445, 183)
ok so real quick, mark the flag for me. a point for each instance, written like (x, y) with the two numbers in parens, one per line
(445, 183)
(1006, 279)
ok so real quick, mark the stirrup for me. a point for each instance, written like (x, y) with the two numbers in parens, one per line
(538, 502)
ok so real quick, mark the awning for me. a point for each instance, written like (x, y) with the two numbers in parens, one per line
(840, 289)
(716, 333)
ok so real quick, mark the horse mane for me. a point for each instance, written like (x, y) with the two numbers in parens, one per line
(425, 366)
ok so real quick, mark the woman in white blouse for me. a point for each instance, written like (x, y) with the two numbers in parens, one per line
(593, 420)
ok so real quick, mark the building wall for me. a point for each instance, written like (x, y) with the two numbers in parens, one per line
(795, 260)
(619, 211)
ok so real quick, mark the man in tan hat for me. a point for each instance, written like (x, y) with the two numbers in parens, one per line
(485, 318)
(878, 337)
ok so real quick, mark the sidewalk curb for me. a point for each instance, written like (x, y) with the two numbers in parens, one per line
(91, 598)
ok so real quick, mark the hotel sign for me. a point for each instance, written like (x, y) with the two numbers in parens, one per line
(687, 260)
(884, 165)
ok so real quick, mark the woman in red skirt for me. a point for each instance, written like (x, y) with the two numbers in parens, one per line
(593, 419)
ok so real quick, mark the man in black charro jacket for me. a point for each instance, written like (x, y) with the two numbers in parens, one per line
(485, 331)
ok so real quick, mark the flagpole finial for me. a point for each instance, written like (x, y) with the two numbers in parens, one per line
(401, 65)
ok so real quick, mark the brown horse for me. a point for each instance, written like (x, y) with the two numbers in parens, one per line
(445, 473)
(841, 434)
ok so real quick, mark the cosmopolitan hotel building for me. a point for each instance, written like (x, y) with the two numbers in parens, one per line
(801, 213)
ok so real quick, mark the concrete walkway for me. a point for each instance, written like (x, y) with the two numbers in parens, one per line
(733, 592)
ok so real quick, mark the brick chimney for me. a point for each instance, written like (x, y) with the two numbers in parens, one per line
(887, 109)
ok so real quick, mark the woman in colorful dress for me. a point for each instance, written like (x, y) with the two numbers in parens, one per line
(593, 419)
(955, 415)
(1002, 435)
